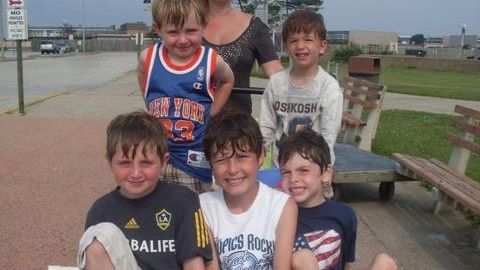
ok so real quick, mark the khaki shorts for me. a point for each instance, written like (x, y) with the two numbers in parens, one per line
(174, 175)
(114, 242)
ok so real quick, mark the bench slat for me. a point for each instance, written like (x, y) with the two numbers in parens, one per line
(365, 104)
(351, 120)
(469, 183)
(444, 177)
(426, 171)
(467, 112)
(460, 142)
(373, 94)
(472, 129)
(360, 82)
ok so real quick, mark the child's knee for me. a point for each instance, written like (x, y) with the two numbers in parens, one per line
(96, 256)
(304, 259)
(96, 249)
(383, 261)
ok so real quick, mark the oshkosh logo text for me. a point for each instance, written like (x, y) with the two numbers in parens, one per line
(295, 107)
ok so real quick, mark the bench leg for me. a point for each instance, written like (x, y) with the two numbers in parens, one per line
(476, 238)
(443, 203)
(350, 136)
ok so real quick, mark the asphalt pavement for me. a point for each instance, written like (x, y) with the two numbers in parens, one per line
(52, 168)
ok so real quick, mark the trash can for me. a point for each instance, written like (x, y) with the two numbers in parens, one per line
(364, 67)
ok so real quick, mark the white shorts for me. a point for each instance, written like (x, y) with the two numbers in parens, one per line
(114, 242)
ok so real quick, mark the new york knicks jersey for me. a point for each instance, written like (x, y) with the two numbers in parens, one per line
(181, 97)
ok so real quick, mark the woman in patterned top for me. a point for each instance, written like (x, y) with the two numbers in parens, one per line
(240, 39)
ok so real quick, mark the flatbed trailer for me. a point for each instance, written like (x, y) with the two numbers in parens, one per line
(352, 165)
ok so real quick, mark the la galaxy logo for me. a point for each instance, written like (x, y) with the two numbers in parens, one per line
(163, 219)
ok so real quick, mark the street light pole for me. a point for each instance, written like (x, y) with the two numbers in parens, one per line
(2, 40)
(83, 25)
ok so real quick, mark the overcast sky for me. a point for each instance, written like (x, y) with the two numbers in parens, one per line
(406, 17)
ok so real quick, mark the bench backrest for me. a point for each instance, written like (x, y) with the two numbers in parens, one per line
(362, 100)
(360, 95)
(464, 142)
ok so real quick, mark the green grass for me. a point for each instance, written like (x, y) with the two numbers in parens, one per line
(419, 134)
(444, 84)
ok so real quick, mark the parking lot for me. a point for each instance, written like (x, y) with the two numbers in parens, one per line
(45, 75)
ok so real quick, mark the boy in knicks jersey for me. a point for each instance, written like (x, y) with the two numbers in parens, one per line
(183, 84)
(143, 223)
(303, 95)
(253, 225)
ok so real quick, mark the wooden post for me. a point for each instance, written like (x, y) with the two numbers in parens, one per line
(459, 157)
(21, 104)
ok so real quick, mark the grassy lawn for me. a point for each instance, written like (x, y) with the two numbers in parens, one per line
(414, 81)
(421, 82)
(419, 134)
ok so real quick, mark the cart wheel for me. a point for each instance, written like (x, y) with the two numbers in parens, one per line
(386, 190)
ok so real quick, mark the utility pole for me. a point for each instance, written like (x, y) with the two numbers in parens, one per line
(463, 40)
(2, 35)
(83, 25)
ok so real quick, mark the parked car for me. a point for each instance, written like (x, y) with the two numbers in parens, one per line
(63, 47)
(48, 47)
(416, 52)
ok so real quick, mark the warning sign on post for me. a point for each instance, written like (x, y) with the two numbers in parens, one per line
(15, 3)
(17, 24)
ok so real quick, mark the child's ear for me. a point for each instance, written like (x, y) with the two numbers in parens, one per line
(156, 29)
(327, 175)
(323, 47)
(261, 158)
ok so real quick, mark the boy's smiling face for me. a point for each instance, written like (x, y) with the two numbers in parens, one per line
(302, 179)
(137, 175)
(236, 171)
(182, 41)
(305, 49)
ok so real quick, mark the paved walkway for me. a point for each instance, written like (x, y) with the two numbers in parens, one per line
(52, 169)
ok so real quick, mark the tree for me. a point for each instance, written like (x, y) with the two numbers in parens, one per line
(345, 52)
(279, 9)
(417, 39)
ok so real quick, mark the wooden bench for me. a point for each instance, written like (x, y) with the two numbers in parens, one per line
(362, 106)
(451, 186)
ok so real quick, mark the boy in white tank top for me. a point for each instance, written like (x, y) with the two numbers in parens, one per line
(252, 224)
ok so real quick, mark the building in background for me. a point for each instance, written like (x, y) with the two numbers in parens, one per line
(68, 32)
(456, 41)
(134, 28)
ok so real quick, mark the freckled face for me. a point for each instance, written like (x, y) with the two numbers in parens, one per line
(138, 176)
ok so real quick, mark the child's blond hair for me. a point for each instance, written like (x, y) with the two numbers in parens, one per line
(176, 12)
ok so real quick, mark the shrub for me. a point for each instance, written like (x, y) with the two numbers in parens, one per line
(344, 53)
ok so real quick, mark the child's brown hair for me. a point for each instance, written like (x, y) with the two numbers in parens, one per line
(176, 12)
(131, 129)
(309, 145)
(306, 21)
(232, 128)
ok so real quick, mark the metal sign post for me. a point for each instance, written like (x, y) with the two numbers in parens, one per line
(17, 30)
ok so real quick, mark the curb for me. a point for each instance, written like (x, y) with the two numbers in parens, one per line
(33, 102)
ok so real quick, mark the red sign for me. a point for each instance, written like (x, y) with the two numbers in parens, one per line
(15, 3)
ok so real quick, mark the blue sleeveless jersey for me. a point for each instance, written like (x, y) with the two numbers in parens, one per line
(181, 97)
